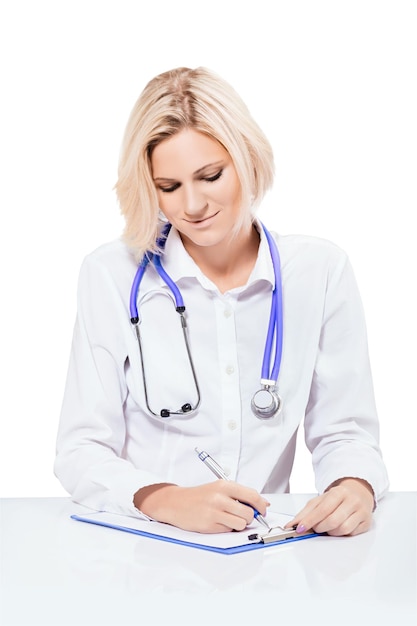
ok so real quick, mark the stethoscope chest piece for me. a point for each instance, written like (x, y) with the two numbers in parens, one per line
(266, 403)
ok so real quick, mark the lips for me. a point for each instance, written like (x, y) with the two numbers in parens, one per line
(204, 219)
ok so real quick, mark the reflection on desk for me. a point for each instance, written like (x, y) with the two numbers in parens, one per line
(56, 571)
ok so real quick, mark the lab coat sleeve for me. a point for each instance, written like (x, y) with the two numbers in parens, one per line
(91, 435)
(341, 423)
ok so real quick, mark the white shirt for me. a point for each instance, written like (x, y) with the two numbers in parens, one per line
(109, 445)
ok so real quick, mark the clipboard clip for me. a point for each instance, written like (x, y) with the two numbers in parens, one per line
(278, 533)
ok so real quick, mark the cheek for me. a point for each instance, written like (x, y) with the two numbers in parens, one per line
(233, 194)
(228, 193)
(166, 202)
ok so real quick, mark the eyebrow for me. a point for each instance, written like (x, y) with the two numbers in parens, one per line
(196, 173)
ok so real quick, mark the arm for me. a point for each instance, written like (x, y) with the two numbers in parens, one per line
(341, 424)
(211, 508)
(93, 434)
(92, 429)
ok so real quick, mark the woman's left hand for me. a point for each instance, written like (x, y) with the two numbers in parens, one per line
(344, 509)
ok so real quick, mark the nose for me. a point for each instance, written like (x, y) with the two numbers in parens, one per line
(194, 202)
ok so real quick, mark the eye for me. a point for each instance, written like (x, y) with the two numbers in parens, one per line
(170, 189)
(211, 179)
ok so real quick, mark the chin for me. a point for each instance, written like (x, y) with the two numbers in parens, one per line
(206, 240)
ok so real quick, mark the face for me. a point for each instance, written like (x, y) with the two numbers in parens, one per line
(198, 188)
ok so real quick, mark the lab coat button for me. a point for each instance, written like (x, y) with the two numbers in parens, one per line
(232, 424)
(230, 369)
(227, 312)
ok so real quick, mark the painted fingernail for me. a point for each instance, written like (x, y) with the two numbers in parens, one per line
(300, 528)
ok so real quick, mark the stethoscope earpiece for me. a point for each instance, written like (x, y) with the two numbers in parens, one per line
(186, 408)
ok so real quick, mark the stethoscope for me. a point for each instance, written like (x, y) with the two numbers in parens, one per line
(266, 402)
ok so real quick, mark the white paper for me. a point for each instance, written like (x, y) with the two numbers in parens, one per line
(214, 540)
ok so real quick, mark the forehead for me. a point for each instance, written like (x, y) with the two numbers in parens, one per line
(185, 153)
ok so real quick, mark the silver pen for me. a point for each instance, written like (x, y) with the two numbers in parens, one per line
(219, 472)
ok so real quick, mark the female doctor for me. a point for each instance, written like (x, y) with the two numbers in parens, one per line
(226, 338)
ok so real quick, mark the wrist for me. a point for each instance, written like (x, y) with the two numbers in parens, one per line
(152, 500)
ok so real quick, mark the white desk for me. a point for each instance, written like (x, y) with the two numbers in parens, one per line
(56, 571)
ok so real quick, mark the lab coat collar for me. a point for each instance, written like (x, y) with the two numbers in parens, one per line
(178, 263)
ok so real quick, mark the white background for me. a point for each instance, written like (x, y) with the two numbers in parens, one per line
(333, 85)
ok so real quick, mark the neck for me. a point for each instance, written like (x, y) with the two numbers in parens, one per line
(228, 264)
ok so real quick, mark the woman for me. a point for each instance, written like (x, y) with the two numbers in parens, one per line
(194, 158)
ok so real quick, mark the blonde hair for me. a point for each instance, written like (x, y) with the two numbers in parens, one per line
(172, 101)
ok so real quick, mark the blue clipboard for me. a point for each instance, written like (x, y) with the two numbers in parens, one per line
(223, 543)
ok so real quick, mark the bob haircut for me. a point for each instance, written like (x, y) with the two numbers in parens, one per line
(172, 101)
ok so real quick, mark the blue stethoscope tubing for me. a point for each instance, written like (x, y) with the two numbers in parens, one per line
(275, 326)
(266, 402)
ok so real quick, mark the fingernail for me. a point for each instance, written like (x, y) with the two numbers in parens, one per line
(300, 528)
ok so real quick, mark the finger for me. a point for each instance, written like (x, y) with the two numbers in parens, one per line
(354, 525)
(346, 527)
(228, 510)
(311, 511)
(341, 522)
(246, 496)
(317, 510)
(346, 519)
(241, 510)
(227, 521)
(301, 514)
(363, 527)
(221, 528)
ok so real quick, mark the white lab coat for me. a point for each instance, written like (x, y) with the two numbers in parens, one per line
(109, 445)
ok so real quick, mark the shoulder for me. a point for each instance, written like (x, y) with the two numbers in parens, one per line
(109, 252)
(316, 266)
(111, 264)
(294, 244)
(310, 252)
(313, 263)
(113, 256)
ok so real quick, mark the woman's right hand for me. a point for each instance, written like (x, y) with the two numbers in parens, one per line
(210, 508)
